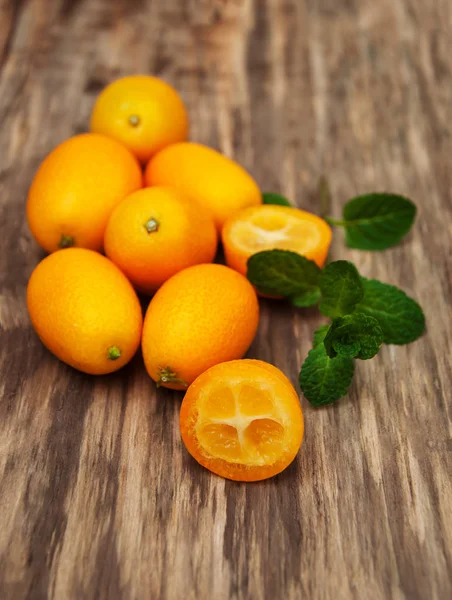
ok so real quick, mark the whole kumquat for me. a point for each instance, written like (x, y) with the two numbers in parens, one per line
(156, 232)
(76, 188)
(201, 316)
(220, 185)
(142, 112)
(85, 310)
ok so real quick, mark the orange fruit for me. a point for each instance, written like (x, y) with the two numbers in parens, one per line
(242, 420)
(155, 233)
(85, 310)
(217, 183)
(202, 316)
(268, 227)
(143, 112)
(76, 188)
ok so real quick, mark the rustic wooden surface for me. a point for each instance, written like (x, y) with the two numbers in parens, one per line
(98, 498)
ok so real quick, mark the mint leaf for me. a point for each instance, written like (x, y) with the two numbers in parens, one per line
(376, 221)
(287, 274)
(323, 379)
(400, 317)
(319, 335)
(355, 336)
(341, 289)
(269, 198)
(307, 298)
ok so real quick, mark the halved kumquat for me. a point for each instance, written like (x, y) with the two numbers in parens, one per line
(267, 227)
(242, 420)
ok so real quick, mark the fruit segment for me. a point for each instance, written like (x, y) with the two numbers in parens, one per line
(221, 440)
(242, 420)
(264, 439)
(291, 234)
(240, 423)
(269, 227)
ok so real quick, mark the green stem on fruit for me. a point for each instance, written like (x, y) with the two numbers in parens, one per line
(152, 225)
(168, 376)
(134, 120)
(113, 353)
(66, 241)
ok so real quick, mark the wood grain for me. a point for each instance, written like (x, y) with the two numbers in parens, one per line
(98, 498)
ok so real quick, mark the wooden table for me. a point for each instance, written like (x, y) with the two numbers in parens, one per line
(99, 499)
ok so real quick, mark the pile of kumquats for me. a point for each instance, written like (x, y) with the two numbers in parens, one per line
(133, 207)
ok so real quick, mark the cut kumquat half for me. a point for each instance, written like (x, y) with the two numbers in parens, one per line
(269, 227)
(242, 420)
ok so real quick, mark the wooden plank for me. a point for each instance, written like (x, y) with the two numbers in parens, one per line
(98, 498)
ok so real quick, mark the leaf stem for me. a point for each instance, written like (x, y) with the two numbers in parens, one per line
(336, 222)
(324, 196)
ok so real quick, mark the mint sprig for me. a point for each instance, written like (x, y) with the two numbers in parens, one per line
(354, 336)
(287, 274)
(364, 313)
(376, 221)
(270, 198)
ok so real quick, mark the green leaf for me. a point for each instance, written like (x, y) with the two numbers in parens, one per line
(400, 317)
(287, 274)
(319, 335)
(376, 221)
(305, 299)
(323, 379)
(269, 198)
(341, 289)
(355, 336)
